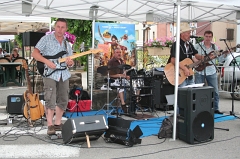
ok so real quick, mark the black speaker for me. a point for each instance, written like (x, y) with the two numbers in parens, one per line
(160, 88)
(31, 38)
(75, 129)
(196, 114)
(119, 132)
(15, 104)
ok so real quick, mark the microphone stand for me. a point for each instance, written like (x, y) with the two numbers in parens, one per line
(77, 101)
(233, 79)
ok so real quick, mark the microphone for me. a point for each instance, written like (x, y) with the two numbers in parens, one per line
(222, 39)
(77, 92)
(192, 36)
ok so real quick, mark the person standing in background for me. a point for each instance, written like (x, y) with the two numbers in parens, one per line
(209, 74)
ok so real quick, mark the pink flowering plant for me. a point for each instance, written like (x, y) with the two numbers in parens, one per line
(160, 42)
(70, 37)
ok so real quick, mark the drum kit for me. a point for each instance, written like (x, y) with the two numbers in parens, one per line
(136, 82)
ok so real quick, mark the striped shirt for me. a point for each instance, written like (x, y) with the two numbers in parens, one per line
(49, 46)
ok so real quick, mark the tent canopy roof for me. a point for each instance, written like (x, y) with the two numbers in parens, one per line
(12, 25)
(125, 10)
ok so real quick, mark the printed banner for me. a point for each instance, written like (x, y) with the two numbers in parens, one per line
(109, 36)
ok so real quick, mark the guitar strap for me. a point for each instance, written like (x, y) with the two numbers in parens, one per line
(65, 42)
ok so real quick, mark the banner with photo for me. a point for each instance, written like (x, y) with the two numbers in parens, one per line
(109, 36)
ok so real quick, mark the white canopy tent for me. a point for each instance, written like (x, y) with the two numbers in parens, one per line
(12, 25)
(124, 10)
(129, 10)
(6, 39)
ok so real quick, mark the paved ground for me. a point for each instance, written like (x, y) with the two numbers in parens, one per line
(23, 142)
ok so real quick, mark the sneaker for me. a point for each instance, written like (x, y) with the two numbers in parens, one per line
(125, 108)
(58, 127)
(51, 130)
(104, 87)
(218, 112)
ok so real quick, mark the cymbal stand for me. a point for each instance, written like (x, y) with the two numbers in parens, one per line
(107, 104)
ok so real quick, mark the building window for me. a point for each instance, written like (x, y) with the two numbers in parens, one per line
(230, 34)
(153, 34)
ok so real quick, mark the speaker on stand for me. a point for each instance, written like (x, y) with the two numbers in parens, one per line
(196, 114)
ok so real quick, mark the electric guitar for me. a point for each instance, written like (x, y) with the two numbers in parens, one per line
(57, 59)
(213, 55)
(33, 108)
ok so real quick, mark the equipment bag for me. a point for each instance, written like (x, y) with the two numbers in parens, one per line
(166, 129)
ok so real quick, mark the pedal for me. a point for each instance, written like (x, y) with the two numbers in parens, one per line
(55, 136)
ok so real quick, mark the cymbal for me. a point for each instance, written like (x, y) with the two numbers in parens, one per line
(124, 66)
(102, 70)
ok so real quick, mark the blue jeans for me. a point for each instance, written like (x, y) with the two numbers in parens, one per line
(211, 81)
(187, 82)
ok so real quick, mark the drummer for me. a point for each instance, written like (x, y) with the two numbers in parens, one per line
(118, 74)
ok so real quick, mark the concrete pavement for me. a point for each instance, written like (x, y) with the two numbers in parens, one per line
(20, 141)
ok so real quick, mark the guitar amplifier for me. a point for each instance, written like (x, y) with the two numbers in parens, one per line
(15, 104)
(158, 73)
(75, 129)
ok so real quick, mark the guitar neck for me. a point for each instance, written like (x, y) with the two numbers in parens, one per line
(25, 66)
(93, 51)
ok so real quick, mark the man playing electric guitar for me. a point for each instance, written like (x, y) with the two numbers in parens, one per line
(56, 85)
(187, 50)
(209, 74)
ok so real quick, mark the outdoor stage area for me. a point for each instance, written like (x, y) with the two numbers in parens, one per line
(17, 138)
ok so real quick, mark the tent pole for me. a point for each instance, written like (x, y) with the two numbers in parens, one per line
(94, 16)
(9, 47)
(176, 68)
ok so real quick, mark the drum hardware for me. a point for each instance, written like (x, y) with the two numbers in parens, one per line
(104, 70)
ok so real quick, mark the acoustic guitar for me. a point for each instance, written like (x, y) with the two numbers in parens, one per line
(33, 108)
(57, 59)
(169, 69)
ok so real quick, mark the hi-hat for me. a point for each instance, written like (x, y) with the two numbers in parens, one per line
(102, 70)
(124, 66)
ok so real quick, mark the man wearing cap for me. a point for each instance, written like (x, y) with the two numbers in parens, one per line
(187, 50)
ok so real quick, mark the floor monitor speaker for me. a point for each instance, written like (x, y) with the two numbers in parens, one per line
(196, 114)
(76, 129)
(31, 38)
(119, 132)
(15, 104)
